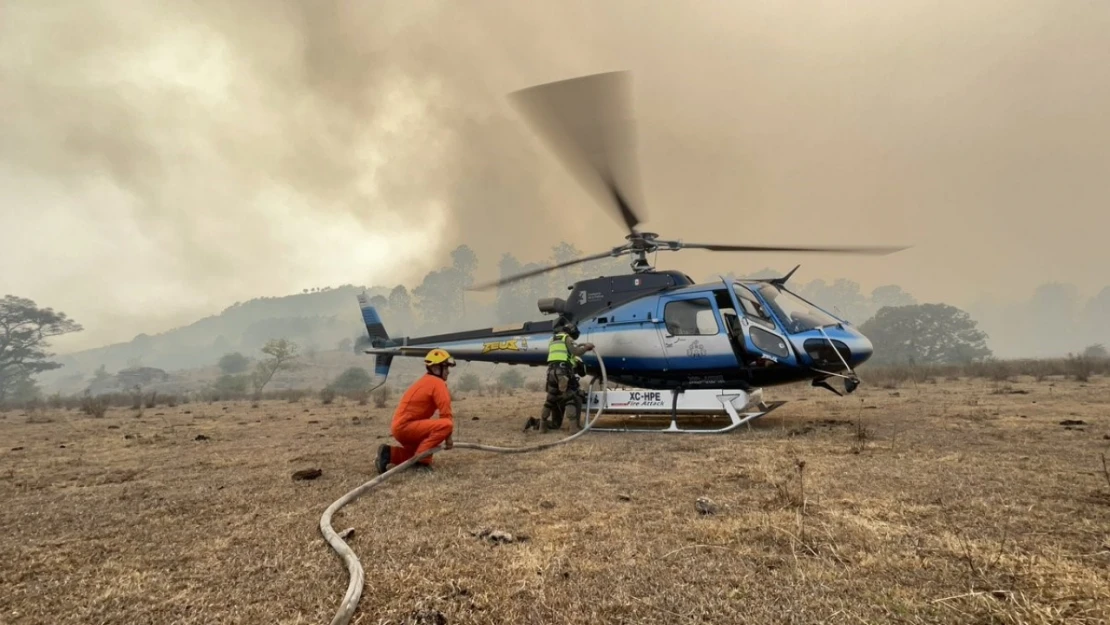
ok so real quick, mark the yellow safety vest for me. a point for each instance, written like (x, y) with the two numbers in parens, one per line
(557, 350)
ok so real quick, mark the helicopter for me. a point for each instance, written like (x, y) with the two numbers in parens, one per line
(656, 329)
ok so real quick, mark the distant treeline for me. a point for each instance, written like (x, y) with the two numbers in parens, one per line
(1054, 321)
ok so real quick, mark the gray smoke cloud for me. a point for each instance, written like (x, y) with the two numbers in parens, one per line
(160, 160)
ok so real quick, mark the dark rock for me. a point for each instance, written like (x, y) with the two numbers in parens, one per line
(307, 474)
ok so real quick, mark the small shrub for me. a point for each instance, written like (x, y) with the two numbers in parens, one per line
(352, 381)
(511, 378)
(1080, 367)
(468, 382)
(996, 370)
(327, 395)
(94, 406)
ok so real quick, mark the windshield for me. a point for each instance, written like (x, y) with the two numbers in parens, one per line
(796, 314)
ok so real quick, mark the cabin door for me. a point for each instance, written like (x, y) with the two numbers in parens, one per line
(760, 336)
(693, 334)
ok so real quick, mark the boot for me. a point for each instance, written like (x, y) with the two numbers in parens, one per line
(382, 463)
(557, 420)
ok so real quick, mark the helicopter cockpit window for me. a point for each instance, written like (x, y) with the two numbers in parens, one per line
(691, 317)
(797, 315)
(753, 309)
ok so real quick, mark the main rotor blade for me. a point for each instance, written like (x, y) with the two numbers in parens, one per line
(536, 272)
(872, 250)
(586, 122)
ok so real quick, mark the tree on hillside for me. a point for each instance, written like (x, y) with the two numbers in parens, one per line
(400, 307)
(509, 297)
(842, 298)
(233, 363)
(282, 354)
(762, 274)
(925, 333)
(440, 298)
(24, 330)
(101, 375)
(890, 295)
(1096, 352)
(465, 261)
(21, 389)
(1054, 315)
(1096, 312)
(562, 253)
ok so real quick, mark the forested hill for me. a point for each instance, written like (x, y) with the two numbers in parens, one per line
(315, 319)
(329, 319)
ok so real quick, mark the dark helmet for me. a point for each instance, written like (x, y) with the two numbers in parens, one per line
(571, 329)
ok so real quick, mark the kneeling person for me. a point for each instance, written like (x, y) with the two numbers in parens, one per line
(413, 426)
(563, 355)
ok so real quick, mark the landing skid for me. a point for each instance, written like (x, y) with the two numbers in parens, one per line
(741, 407)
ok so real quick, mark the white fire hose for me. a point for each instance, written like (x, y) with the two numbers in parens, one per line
(354, 567)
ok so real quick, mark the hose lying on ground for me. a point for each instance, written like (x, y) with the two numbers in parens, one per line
(354, 567)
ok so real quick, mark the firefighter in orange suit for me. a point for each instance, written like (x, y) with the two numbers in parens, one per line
(413, 426)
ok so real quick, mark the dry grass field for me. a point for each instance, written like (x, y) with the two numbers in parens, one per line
(965, 501)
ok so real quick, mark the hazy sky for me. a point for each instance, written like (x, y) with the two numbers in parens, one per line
(161, 160)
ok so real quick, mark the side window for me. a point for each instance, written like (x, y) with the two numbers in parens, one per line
(752, 307)
(769, 343)
(691, 317)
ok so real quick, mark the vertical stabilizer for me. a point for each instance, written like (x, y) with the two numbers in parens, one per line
(379, 337)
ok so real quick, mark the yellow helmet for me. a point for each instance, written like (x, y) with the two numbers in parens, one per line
(437, 357)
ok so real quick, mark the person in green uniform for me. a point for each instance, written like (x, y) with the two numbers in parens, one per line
(563, 364)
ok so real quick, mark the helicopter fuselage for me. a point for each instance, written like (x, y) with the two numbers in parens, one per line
(659, 330)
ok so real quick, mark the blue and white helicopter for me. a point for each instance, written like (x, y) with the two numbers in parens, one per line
(657, 331)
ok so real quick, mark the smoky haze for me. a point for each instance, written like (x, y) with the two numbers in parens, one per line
(162, 160)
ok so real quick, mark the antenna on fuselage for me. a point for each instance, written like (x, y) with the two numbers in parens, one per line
(781, 281)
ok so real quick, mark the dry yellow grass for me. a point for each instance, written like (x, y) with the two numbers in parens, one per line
(963, 502)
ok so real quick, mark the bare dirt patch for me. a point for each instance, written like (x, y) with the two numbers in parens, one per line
(956, 502)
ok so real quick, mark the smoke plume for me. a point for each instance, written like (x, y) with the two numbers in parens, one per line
(160, 160)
